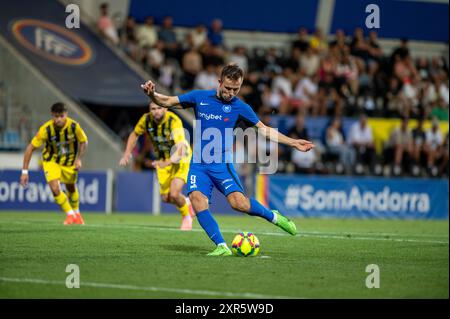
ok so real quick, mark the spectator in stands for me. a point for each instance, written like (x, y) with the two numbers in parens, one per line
(199, 35)
(129, 38)
(147, 35)
(106, 26)
(211, 55)
(302, 164)
(155, 59)
(207, 79)
(418, 146)
(359, 46)
(310, 62)
(168, 36)
(318, 42)
(239, 56)
(327, 93)
(335, 143)
(299, 130)
(439, 109)
(305, 93)
(443, 169)
(304, 161)
(346, 74)
(393, 99)
(375, 51)
(250, 90)
(360, 137)
(401, 51)
(340, 42)
(192, 66)
(433, 143)
(400, 147)
(215, 34)
(423, 68)
(276, 100)
(282, 83)
(272, 61)
(301, 42)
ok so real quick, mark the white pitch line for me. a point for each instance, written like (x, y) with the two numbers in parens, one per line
(209, 293)
(313, 234)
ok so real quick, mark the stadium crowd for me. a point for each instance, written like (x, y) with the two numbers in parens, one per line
(349, 76)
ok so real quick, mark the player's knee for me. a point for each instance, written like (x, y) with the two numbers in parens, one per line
(173, 196)
(240, 204)
(165, 198)
(198, 202)
(55, 190)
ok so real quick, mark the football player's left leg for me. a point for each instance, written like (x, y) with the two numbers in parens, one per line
(176, 197)
(251, 206)
(69, 178)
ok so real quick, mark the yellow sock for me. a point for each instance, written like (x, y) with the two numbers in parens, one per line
(63, 202)
(184, 210)
(74, 200)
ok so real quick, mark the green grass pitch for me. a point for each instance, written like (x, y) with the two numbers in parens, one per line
(145, 256)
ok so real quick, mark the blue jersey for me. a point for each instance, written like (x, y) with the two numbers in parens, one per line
(216, 119)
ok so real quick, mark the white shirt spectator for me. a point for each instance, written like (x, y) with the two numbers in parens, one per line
(206, 81)
(303, 159)
(155, 57)
(433, 139)
(283, 84)
(199, 37)
(240, 60)
(360, 135)
(444, 92)
(108, 30)
(310, 63)
(304, 88)
(147, 36)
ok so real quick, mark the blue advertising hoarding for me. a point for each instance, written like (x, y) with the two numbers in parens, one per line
(353, 197)
(136, 192)
(92, 187)
(133, 192)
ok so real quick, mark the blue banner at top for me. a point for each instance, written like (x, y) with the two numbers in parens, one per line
(262, 15)
(314, 196)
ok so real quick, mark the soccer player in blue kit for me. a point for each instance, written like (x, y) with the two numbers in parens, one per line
(220, 110)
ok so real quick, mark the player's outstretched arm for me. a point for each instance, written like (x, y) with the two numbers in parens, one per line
(131, 143)
(163, 100)
(274, 135)
(26, 162)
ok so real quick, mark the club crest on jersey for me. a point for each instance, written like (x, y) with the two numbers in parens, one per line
(226, 108)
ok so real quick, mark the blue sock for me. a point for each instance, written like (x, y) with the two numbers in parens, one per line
(209, 224)
(256, 209)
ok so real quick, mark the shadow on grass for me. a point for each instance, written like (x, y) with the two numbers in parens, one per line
(186, 249)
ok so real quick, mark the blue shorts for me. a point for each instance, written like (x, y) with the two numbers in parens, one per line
(202, 178)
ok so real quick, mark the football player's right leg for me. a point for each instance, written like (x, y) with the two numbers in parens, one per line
(62, 200)
(200, 190)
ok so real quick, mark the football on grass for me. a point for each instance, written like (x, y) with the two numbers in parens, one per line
(245, 244)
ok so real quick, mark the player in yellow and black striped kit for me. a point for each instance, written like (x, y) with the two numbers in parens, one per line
(173, 154)
(65, 145)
